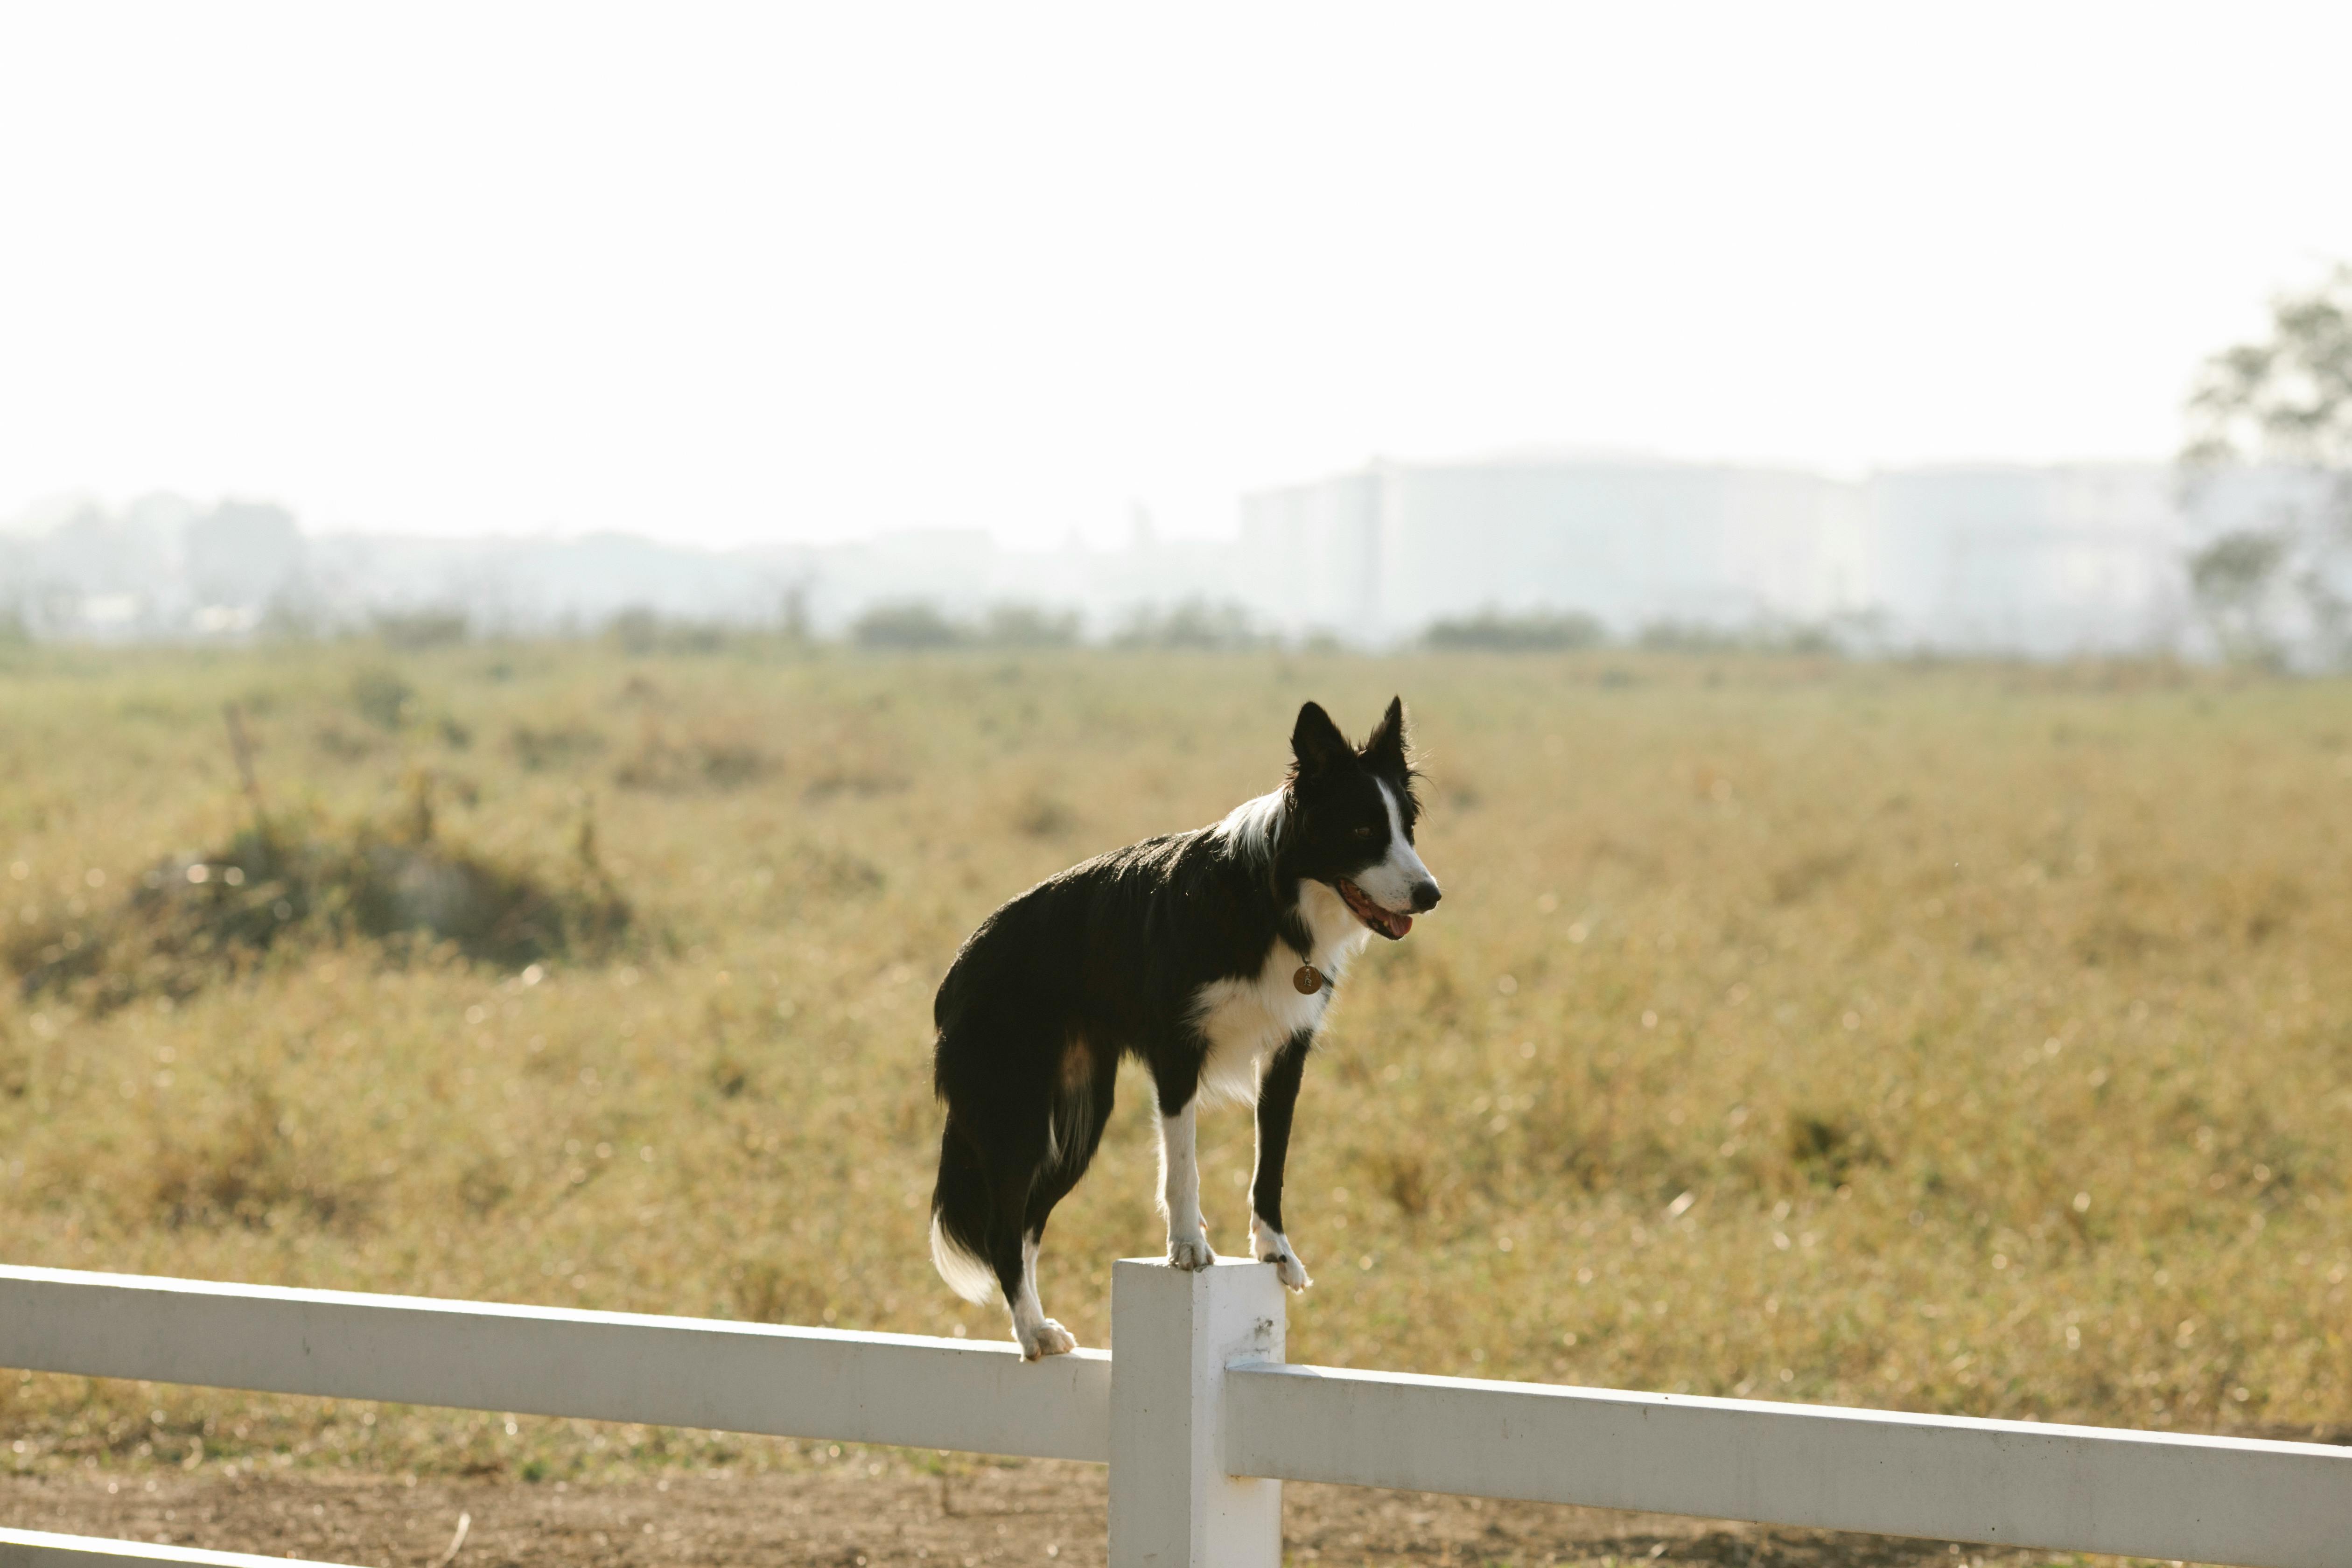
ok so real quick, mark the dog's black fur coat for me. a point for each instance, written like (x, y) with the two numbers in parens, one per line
(1116, 955)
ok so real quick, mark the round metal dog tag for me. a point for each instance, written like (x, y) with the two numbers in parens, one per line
(1309, 980)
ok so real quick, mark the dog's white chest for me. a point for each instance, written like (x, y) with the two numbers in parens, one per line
(1244, 1020)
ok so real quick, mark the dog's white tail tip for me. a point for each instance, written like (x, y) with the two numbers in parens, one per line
(967, 1274)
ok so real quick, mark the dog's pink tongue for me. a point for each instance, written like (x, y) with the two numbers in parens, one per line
(1402, 924)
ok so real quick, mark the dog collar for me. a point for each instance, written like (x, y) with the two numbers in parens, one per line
(1309, 980)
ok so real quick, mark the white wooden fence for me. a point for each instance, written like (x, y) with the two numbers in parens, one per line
(1198, 1418)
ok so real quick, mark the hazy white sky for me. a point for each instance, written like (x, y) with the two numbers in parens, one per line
(732, 274)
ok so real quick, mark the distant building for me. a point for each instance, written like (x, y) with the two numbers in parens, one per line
(1377, 554)
(241, 554)
(2030, 560)
(2008, 558)
(99, 575)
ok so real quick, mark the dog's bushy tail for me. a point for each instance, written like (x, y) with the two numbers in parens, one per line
(959, 1207)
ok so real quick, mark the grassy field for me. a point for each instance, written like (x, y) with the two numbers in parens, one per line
(1946, 1038)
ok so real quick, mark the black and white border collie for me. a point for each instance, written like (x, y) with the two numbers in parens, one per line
(1211, 956)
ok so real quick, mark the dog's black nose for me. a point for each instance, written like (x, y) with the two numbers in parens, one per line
(1424, 897)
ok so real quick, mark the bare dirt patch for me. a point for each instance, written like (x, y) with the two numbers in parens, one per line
(883, 1511)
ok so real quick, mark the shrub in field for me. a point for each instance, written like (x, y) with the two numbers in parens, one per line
(1044, 815)
(196, 918)
(642, 632)
(243, 1167)
(711, 760)
(382, 697)
(542, 748)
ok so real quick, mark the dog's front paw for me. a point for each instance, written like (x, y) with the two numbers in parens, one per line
(1190, 1252)
(1273, 1247)
(1287, 1267)
(1044, 1338)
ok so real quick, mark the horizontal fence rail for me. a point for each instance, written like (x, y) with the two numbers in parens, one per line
(902, 1389)
(2012, 1483)
(1202, 1422)
(39, 1548)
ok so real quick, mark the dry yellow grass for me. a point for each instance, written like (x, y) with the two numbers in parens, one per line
(1966, 1039)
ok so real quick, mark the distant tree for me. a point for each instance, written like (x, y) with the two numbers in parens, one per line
(2286, 400)
(2289, 397)
(1194, 624)
(2235, 581)
(640, 631)
(1801, 637)
(422, 628)
(910, 624)
(1029, 625)
(793, 619)
(1493, 630)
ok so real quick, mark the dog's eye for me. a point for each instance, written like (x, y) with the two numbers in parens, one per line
(1366, 832)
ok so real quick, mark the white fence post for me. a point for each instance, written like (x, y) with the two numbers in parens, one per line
(1173, 1334)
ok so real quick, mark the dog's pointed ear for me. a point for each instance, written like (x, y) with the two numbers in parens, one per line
(1386, 749)
(1315, 741)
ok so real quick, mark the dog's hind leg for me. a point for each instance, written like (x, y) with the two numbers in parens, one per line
(1081, 1106)
(1013, 1249)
